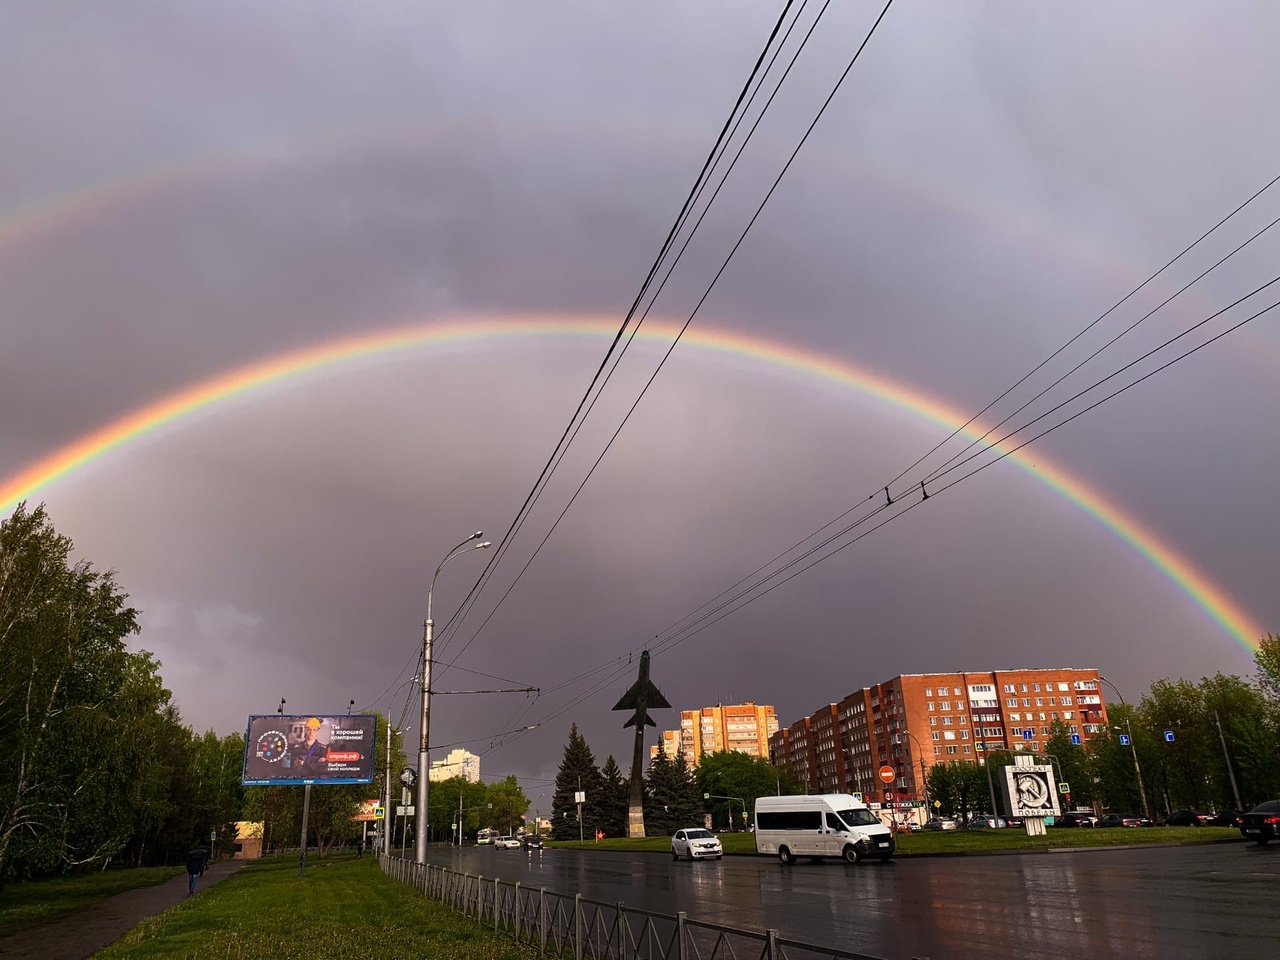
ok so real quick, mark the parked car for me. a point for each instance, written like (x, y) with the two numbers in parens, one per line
(695, 843)
(532, 843)
(1262, 823)
(940, 823)
(506, 843)
(1189, 818)
(1123, 820)
(1228, 818)
(986, 822)
(1014, 822)
(1073, 820)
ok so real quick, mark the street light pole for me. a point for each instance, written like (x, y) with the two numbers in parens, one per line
(424, 764)
(1133, 748)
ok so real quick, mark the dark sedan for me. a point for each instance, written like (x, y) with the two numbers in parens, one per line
(1262, 823)
(1190, 818)
(1124, 820)
(1073, 820)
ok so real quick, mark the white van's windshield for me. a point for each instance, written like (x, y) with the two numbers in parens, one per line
(859, 818)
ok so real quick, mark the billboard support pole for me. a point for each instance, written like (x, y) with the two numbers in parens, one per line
(306, 813)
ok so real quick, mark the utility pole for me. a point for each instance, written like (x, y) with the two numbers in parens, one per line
(1235, 790)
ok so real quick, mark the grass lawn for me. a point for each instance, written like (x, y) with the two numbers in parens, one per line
(22, 904)
(343, 909)
(960, 841)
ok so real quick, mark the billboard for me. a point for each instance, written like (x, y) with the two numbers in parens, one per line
(369, 811)
(308, 749)
(1028, 790)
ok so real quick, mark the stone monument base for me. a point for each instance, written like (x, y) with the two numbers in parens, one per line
(635, 821)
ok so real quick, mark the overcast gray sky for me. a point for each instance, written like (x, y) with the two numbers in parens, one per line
(187, 188)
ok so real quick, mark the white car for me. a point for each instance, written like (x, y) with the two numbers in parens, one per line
(506, 843)
(695, 843)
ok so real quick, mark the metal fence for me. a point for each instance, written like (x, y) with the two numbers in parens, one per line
(562, 926)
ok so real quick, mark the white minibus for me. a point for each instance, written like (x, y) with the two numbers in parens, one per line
(819, 826)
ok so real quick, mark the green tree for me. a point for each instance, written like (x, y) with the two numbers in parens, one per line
(960, 787)
(615, 799)
(577, 772)
(1267, 659)
(74, 703)
(1073, 766)
(662, 796)
(507, 805)
(730, 773)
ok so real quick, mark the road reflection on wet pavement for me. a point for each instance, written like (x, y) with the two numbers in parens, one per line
(1169, 902)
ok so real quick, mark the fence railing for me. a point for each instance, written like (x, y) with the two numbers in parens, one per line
(562, 926)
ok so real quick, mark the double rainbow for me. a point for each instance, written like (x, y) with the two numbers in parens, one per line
(172, 410)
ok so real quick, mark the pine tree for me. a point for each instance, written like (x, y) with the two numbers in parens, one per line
(662, 799)
(689, 807)
(577, 772)
(616, 796)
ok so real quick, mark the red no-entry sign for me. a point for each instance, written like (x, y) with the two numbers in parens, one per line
(887, 774)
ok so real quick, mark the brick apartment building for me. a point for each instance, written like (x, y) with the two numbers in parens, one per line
(916, 720)
(742, 727)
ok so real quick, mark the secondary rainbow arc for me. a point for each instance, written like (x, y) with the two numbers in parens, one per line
(134, 427)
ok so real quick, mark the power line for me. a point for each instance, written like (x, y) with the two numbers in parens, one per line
(960, 429)
(698, 306)
(544, 474)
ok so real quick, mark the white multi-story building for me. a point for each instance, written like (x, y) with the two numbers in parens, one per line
(459, 763)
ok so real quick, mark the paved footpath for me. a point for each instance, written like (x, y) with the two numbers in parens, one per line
(75, 936)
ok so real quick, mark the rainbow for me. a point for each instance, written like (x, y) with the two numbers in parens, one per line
(175, 408)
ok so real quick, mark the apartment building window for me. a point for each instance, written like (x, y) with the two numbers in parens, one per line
(948, 721)
(1067, 701)
(928, 691)
(1015, 717)
(959, 718)
(1039, 701)
(934, 734)
(951, 750)
(1073, 728)
(1024, 688)
(948, 735)
(937, 751)
(1011, 702)
(1053, 701)
(933, 721)
(1041, 714)
(1009, 688)
(966, 749)
(964, 734)
(1068, 714)
(1053, 715)
(931, 706)
(1063, 686)
(945, 705)
(1026, 701)
(1086, 684)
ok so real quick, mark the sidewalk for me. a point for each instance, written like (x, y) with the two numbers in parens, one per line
(75, 936)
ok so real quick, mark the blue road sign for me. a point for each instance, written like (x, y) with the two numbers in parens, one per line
(1168, 736)
(1075, 739)
(1028, 734)
(1124, 739)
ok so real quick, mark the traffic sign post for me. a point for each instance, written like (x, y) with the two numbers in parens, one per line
(1075, 739)
(887, 774)
(1028, 734)
(1168, 736)
(1124, 740)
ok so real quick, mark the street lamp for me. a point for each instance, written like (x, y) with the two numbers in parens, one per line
(1133, 747)
(424, 765)
(924, 783)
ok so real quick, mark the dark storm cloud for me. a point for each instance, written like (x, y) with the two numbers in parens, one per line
(991, 178)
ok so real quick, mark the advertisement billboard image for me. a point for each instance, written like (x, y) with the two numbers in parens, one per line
(309, 749)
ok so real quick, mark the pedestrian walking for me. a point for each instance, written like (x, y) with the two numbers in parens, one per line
(196, 860)
(359, 849)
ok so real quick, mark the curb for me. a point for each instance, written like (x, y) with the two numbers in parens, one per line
(1008, 852)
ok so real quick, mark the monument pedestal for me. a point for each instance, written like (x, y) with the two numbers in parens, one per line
(635, 821)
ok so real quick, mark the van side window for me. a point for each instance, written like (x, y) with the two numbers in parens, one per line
(834, 822)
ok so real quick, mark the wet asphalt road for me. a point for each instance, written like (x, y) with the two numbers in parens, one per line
(1218, 902)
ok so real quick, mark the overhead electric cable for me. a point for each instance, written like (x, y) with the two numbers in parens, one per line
(503, 544)
(698, 306)
(964, 426)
